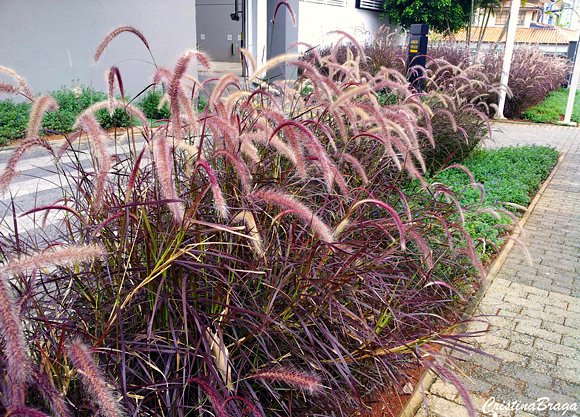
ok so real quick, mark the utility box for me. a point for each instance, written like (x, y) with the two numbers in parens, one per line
(416, 56)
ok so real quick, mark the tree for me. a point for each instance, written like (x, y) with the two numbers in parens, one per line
(441, 15)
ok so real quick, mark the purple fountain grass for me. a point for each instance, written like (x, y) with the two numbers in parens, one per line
(290, 203)
(15, 346)
(247, 403)
(57, 255)
(50, 394)
(40, 106)
(10, 172)
(26, 412)
(248, 218)
(113, 34)
(110, 76)
(132, 110)
(220, 88)
(292, 15)
(356, 164)
(99, 139)
(21, 81)
(174, 89)
(240, 167)
(306, 382)
(93, 379)
(218, 197)
(8, 88)
(163, 159)
(216, 400)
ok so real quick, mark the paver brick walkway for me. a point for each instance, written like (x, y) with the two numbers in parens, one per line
(534, 310)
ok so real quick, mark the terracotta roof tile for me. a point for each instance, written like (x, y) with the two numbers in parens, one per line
(549, 36)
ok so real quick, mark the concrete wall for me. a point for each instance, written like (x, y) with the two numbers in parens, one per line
(219, 30)
(39, 36)
(316, 20)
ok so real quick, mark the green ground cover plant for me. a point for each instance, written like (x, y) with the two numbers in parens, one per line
(258, 258)
(509, 175)
(553, 108)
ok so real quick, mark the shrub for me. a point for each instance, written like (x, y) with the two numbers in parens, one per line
(150, 105)
(13, 120)
(553, 108)
(263, 257)
(533, 74)
(509, 175)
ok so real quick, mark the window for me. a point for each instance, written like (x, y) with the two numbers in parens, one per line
(501, 18)
(375, 5)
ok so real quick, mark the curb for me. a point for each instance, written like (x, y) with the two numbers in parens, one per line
(428, 377)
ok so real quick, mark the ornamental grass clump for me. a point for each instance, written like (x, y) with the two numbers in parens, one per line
(257, 258)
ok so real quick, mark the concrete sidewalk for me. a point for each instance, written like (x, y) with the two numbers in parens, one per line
(534, 323)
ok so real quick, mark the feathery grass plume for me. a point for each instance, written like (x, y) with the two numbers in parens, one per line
(133, 111)
(21, 81)
(93, 379)
(271, 63)
(305, 382)
(275, 141)
(247, 403)
(175, 86)
(249, 58)
(218, 404)
(15, 350)
(10, 172)
(8, 88)
(50, 394)
(329, 170)
(356, 164)
(218, 197)
(25, 412)
(240, 167)
(163, 160)
(59, 255)
(98, 139)
(247, 217)
(110, 77)
(349, 94)
(113, 34)
(290, 203)
(40, 106)
(292, 15)
(218, 91)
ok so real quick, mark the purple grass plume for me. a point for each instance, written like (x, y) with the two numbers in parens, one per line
(305, 382)
(15, 350)
(216, 400)
(292, 15)
(113, 34)
(10, 172)
(58, 255)
(290, 203)
(163, 158)
(93, 379)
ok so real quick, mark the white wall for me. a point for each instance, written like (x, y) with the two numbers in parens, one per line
(316, 20)
(37, 37)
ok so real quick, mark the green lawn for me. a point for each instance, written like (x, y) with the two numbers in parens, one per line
(553, 108)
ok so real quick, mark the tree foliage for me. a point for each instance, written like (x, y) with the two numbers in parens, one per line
(441, 15)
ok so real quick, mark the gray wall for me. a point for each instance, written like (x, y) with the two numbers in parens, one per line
(37, 37)
(214, 23)
(283, 35)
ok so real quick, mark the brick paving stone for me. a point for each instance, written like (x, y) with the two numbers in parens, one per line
(537, 328)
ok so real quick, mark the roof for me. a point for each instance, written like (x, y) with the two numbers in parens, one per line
(546, 36)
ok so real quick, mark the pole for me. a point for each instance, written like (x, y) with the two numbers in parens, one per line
(572, 88)
(507, 56)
